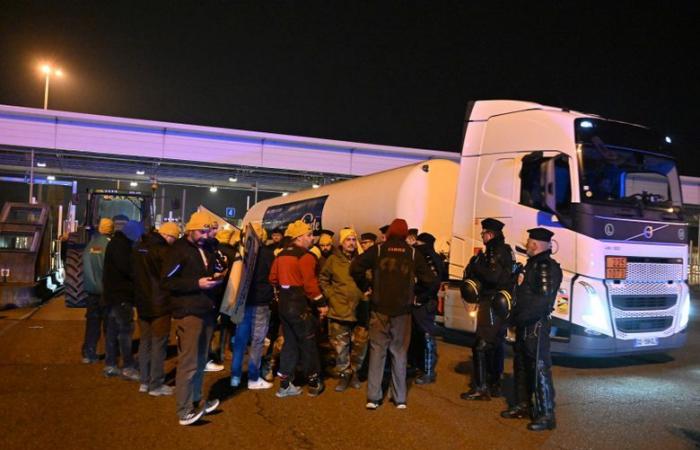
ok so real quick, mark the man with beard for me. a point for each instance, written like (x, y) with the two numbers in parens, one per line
(347, 336)
(189, 276)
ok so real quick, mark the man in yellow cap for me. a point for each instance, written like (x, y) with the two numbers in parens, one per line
(93, 268)
(347, 333)
(189, 275)
(294, 274)
(151, 302)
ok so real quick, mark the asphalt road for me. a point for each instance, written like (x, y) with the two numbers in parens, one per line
(50, 400)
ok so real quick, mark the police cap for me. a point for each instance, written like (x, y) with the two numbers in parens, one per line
(492, 224)
(540, 234)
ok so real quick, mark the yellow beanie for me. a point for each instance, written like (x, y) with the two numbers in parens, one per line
(296, 229)
(235, 237)
(170, 229)
(199, 221)
(325, 239)
(316, 251)
(106, 226)
(224, 235)
(346, 233)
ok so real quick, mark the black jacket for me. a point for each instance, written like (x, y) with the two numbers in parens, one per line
(150, 298)
(118, 275)
(437, 266)
(260, 292)
(493, 268)
(180, 276)
(395, 267)
(535, 295)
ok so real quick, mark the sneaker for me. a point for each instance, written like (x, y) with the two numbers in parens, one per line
(143, 388)
(372, 405)
(259, 384)
(131, 374)
(191, 417)
(401, 406)
(213, 367)
(88, 360)
(316, 389)
(111, 371)
(163, 389)
(289, 391)
(343, 382)
(235, 381)
(211, 405)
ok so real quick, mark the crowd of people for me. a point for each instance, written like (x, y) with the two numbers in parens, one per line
(312, 309)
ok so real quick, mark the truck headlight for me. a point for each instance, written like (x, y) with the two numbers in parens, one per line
(685, 311)
(594, 311)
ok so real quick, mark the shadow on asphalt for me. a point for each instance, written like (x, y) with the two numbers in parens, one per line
(222, 389)
(692, 436)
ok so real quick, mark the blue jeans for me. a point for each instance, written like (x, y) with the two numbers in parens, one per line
(254, 328)
(120, 329)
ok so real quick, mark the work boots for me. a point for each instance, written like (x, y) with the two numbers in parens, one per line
(343, 382)
(479, 391)
(430, 361)
(518, 411)
(544, 409)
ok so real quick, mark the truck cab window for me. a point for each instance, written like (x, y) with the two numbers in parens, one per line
(534, 179)
(531, 189)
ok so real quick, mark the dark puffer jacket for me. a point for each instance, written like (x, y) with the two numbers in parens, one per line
(180, 276)
(118, 276)
(150, 298)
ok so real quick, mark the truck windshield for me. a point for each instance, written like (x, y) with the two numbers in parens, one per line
(617, 175)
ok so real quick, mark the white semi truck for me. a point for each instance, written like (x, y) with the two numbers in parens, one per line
(607, 189)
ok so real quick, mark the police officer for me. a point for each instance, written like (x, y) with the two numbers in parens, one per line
(535, 294)
(425, 306)
(293, 272)
(492, 271)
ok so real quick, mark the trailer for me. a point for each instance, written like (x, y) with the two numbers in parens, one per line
(607, 189)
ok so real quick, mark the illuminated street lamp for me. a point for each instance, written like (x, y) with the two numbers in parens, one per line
(48, 71)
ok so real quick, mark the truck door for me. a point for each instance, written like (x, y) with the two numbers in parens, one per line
(544, 200)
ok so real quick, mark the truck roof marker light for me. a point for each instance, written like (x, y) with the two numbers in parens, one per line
(668, 140)
(586, 124)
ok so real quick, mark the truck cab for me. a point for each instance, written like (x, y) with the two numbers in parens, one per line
(610, 193)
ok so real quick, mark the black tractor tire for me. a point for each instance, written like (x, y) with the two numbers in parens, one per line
(74, 289)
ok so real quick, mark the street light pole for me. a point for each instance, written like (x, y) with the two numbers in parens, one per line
(48, 70)
(46, 90)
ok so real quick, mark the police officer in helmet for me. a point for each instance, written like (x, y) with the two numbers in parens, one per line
(536, 292)
(488, 281)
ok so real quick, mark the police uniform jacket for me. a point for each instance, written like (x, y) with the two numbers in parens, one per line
(536, 293)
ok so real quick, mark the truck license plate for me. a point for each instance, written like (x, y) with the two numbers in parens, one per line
(646, 342)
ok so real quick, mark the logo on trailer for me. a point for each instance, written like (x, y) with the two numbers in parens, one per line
(609, 229)
(648, 231)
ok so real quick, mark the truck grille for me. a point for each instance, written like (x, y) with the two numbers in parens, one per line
(643, 324)
(643, 302)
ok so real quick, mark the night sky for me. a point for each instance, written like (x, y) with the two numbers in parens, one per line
(381, 72)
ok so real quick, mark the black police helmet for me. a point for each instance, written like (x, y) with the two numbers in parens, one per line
(470, 289)
(501, 304)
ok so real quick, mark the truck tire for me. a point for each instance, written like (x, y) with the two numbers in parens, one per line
(74, 290)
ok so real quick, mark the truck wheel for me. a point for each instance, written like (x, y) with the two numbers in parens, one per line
(74, 291)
